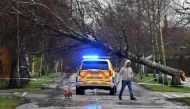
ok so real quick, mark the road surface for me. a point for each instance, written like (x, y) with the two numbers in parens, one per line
(52, 98)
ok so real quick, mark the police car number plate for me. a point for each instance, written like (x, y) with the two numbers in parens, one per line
(94, 73)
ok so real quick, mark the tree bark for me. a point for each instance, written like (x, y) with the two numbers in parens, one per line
(176, 82)
(162, 50)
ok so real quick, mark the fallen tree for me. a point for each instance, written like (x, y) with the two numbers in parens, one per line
(125, 54)
(165, 69)
(82, 33)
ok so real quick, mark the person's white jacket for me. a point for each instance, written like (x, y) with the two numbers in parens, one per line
(126, 73)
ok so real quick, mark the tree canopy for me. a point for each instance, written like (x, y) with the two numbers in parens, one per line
(122, 28)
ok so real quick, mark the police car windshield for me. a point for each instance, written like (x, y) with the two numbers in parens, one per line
(95, 65)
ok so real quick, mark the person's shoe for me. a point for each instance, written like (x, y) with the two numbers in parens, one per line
(120, 98)
(133, 98)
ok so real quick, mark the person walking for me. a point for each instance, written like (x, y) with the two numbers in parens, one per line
(126, 73)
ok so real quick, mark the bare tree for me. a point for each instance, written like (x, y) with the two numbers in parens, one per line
(91, 22)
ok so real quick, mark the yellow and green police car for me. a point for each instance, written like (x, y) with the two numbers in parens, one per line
(96, 73)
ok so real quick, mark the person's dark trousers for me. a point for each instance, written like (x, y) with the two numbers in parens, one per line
(123, 85)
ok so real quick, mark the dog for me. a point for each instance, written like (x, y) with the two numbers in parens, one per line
(67, 93)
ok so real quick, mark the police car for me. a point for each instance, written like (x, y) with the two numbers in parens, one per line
(96, 73)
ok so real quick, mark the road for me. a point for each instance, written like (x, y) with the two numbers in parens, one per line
(52, 98)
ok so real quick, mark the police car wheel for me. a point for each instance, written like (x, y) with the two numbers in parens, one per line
(79, 91)
(82, 92)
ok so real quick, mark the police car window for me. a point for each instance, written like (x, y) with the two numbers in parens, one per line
(95, 65)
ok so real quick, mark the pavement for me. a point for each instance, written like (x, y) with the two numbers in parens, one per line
(186, 82)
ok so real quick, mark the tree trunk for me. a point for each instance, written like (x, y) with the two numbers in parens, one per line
(146, 71)
(48, 65)
(21, 78)
(13, 82)
(27, 62)
(142, 66)
(162, 50)
(56, 66)
(41, 66)
(160, 78)
(176, 82)
(140, 71)
(32, 65)
(61, 65)
(151, 27)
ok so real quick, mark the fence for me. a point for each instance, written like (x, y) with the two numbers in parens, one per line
(180, 62)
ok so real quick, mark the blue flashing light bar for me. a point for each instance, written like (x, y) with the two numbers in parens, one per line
(96, 57)
(90, 57)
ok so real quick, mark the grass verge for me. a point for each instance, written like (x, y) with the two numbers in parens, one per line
(35, 84)
(9, 102)
(185, 100)
(150, 84)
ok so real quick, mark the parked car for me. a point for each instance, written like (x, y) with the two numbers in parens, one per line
(25, 73)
